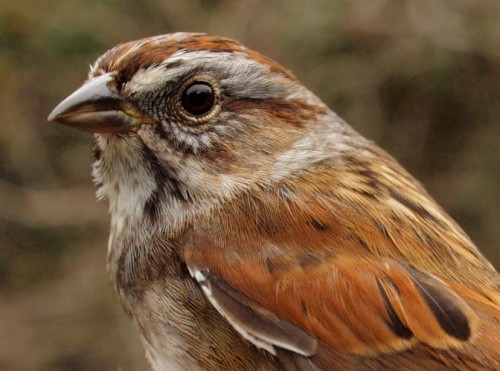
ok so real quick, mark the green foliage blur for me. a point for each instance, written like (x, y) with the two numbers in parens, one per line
(419, 77)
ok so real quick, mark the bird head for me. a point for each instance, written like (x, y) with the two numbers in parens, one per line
(183, 117)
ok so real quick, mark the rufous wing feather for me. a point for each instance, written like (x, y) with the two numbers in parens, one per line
(360, 307)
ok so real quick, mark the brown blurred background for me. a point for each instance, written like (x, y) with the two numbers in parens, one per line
(420, 77)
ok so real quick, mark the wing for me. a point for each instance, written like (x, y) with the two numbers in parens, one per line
(295, 272)
(361, 307)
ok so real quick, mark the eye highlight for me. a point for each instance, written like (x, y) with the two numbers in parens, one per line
(198, 98)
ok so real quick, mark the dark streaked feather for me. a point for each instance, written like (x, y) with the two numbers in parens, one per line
(166, 183)
(443, 304)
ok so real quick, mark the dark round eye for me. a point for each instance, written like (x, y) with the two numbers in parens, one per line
(198, 98)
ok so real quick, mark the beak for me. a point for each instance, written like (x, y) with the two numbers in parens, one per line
(95, 107)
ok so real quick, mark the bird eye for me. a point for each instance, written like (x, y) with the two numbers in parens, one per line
(198, 98)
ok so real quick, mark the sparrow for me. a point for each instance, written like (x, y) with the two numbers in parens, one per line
(253, 229)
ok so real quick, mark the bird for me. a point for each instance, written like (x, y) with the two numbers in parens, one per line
(253, 229)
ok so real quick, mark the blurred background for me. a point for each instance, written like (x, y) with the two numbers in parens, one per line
(420, 77)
